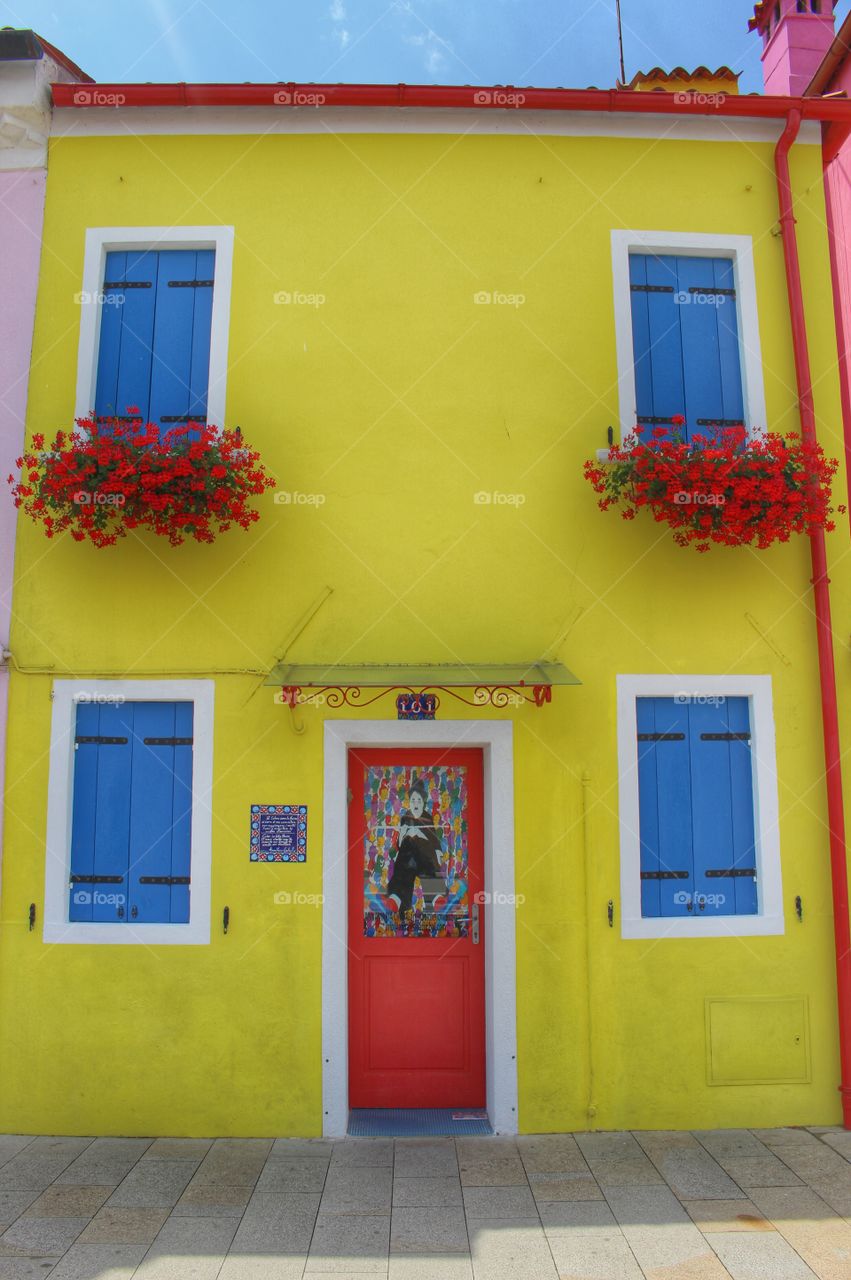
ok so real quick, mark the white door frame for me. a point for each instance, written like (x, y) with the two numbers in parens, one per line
(496, 740)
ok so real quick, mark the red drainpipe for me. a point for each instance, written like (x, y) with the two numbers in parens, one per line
(824, 631)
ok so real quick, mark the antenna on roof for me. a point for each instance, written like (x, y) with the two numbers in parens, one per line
(620, 40)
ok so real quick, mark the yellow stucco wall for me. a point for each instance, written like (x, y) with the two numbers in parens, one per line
(398, 399)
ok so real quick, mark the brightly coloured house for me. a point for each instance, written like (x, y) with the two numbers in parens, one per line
(437, 787)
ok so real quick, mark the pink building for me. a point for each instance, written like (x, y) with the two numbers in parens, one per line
(28, 66)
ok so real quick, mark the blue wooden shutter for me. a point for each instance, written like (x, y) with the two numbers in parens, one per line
(101, 815)
(696, 812)
(685, 342)
(160, 813)
(155, 335)
(131, 826)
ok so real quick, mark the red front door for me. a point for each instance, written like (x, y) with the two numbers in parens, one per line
(416, 929)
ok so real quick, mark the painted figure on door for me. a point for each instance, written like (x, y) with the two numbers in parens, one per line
(417, 857)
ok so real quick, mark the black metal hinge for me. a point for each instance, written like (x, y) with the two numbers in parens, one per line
(97, 879)
(738, 873)
(652, 288)
(720, 422)
(127, 284)
(167, 742)
(200, 418)
(163, 879)
(725, 737)
(647, 421)
(710, 291)
(101, 741)
(664, 875)
(190, 284)
(661, 737)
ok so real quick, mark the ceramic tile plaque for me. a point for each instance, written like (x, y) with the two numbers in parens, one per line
(278, 833)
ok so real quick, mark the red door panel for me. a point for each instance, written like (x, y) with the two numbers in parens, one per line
(416, 974)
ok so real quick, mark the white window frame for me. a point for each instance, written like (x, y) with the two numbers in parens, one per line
(60, 796)
(697, 245)
(769, 886)
(103, 240)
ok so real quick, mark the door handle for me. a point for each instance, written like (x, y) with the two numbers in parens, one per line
(475, 923)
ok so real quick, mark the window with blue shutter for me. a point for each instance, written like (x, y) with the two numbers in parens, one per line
(132, 805)
(696, 808)
(154, 352)
(686, 343)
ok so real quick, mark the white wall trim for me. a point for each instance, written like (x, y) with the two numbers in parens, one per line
(769, 919)
(698, 245)
(103, 240)
(60, 794)
(177, 121)
(495, 738)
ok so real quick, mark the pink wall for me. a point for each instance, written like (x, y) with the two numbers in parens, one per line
(21, 217)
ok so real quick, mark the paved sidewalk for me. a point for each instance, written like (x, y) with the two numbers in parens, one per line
(772, 1204)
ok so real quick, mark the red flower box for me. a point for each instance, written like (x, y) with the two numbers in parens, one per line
(733, 490)
(111, 475)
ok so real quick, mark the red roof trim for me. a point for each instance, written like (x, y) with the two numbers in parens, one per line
(493, 97)
(63, 60)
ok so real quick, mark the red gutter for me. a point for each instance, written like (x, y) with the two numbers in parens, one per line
(824, 630)
(471, 97)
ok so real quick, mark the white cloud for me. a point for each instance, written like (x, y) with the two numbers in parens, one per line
(337, 14)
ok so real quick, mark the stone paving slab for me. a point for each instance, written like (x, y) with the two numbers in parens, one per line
(769, 1204)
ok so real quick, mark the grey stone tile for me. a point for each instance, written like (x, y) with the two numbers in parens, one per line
(773, 1138)
(726, 1215)
(212, 1202)
(188, 1249)
(118, 1148)
(499, 1202)
(13, 1204)
(421, 1231)
(760, 1171)
(178, 1149)
(258, 1266)
(353, 1190)
(452, 1266)
(124, 1226)
(551, 1153)
(674, 1251)
(68, 1202)
(100, 1165)
(11, 1144)
(226, 1170)
(153, 1184)
(694, 1175)
(243, 1148)
(41, 1237)
(363, 1151)
(498, 1170)
(67, 1148)
(359, 1244)
(514, 1249)
(646, 1207)
(549, 1187)
(277, 1223)
(427, 1193)
(838, 1140)
(759, 1256)
(635, 1172)
(26, 1268)
(293, 1175)
(726, 1144)
(608, 1146)
(821, 1237)
(425, 1158)
(594, 1257)
(836, 1194)
(815, 1164)
(25, 1172)
(295, 1148)
(578, 1217)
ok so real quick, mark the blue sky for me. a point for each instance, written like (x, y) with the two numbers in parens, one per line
(540, 42)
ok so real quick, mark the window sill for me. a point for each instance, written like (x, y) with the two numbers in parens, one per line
(139, 935)
(718, 927)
